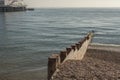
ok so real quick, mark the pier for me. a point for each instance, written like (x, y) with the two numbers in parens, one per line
(85, 61)
(12, 5)
(12, 9)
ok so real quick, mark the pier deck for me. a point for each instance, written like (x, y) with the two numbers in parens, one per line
(101, 62)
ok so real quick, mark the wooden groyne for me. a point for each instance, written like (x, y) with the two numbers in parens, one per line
(75, 52)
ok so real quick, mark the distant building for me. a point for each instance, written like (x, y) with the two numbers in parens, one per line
(12, 5)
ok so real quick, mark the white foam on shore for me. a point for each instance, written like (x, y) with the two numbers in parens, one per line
(34, 69)
(113, 45)
(37, 69)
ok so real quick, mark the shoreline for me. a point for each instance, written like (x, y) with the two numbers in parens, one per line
(102, 44)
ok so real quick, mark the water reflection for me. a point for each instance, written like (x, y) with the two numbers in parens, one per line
(2, 20)
(3, 29)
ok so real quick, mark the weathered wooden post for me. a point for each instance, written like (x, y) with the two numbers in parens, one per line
(77, 45)
(63, 55)
(73, 47)
(53, 62)
(80, 44)
(68, 50)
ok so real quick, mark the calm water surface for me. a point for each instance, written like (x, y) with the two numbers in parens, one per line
(28, 38)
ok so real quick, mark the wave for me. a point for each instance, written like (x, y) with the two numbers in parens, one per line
(36, 69)
(114, 45)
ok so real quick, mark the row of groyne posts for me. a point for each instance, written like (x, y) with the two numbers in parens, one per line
(75, 52)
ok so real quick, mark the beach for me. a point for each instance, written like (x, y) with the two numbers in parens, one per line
(101, 62)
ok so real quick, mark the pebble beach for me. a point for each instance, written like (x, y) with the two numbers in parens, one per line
(101, 62)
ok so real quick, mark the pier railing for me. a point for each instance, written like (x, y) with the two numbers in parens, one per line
(75, 52)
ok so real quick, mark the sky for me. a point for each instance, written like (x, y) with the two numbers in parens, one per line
(72, 3)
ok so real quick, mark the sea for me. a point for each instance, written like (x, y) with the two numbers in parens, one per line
(28, 38)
